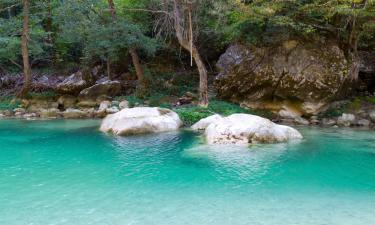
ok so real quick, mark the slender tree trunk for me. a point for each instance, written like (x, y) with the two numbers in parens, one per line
(25, 50)
(112, 9)
(109, 69)
(353, 43)
(203, 84)
(138, 70)
(189, 46)
(133, 53)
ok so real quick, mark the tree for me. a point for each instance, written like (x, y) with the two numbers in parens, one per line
(187, 42)
(177, 17)
(135, 58)
(25, 50)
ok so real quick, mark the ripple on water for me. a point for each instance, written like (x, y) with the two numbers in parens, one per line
(67, 172)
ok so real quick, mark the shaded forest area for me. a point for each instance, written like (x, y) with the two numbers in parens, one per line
(152, 45)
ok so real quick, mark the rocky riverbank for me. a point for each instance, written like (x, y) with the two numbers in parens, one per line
(69, 107)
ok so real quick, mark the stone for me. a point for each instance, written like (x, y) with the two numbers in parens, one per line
(288, 114)
(66, 101)
(89, 112)
(123, 104)
(7, 113)
(303, 76)
(372, 116)
(73, 114)
(49, 113)
(19, 110)
(112, 110)
(301, 121)
(18, 114)
(141, 120)
(328, 122)
(2, 115)
(363, 123)
(107, 88)
(243, 129)
(346, 120)
(87, 103)
(104, 105)
(29, 115)
(72, 84)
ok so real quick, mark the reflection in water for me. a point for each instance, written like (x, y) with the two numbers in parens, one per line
(67, 172)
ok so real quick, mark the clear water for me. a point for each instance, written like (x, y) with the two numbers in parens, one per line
(66, 172)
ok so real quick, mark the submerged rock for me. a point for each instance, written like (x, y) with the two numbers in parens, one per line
(141, 120)
(242, 129)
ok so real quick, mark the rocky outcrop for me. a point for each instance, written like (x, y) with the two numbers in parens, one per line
(107, 88)
(243, 129)
(294, 76)
(141, 120)
(366, 81)
(73, 84)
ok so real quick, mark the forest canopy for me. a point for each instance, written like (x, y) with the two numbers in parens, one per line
(84, 33)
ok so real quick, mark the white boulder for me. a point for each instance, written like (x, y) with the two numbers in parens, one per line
(204, 123)
(346, 119)
(242, 129)
(141, 120)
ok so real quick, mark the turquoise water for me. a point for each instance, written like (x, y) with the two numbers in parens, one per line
(66, 172)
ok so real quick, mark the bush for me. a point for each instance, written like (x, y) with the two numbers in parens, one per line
(8, 103)
(192, 114)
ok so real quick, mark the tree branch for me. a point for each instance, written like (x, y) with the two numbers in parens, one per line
(148, 10)
(9, 7)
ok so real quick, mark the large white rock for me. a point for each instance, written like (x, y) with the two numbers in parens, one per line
(242, 129)
(141, 120)
(204, 123)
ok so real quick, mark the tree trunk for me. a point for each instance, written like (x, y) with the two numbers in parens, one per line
(109, 69)
(353, 43)
(135, 58)
(139, 71)
(203, 84)
(25, 51)
(189, 46)
(112, 9)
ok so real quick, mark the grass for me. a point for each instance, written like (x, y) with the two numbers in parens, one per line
(192, 114)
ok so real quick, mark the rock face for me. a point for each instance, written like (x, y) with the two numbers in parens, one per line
(72, 84)
(141, 120)
(242, 129)
(296, 75)
(366, 81)
(107, 88)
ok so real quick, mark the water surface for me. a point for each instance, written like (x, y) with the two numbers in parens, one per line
(67, 172)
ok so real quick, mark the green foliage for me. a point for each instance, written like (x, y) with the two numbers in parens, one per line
(370, 100)
(9, 103)
(10, 35)
(192, 114)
